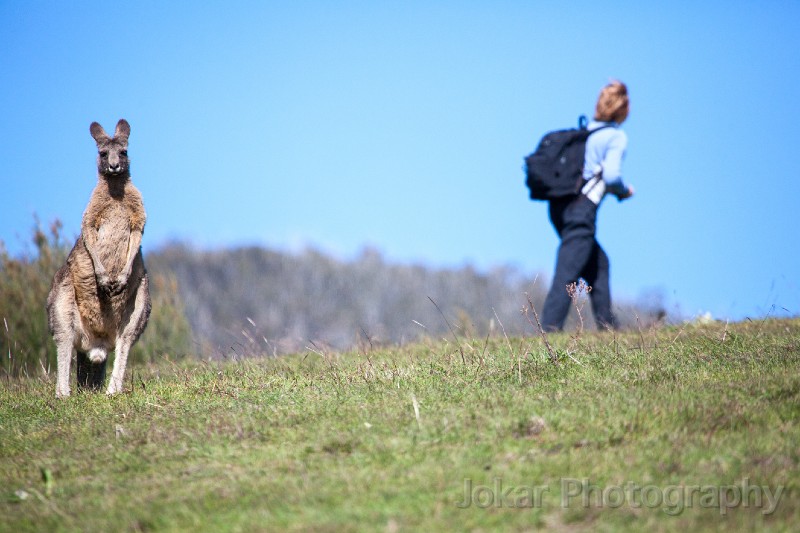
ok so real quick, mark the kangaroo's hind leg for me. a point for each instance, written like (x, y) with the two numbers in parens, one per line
(65, 350)
(134, 327)
(61, 313)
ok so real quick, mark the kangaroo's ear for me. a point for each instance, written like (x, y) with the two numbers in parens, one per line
(98, 133)
(123, 129)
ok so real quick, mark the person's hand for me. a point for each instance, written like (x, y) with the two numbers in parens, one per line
(627, 194)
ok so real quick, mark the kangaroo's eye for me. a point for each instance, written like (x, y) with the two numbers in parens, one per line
(103, 153)
(124, 153)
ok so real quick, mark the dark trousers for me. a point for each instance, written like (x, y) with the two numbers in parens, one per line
(579, 256)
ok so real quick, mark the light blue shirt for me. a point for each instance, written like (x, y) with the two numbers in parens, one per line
(605, 151)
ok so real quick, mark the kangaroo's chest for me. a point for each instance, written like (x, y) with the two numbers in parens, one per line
(113, 236)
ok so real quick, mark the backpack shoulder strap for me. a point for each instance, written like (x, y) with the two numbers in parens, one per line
(583, 124)
(600, 128)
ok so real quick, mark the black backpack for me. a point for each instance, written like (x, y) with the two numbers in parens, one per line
(555, 169)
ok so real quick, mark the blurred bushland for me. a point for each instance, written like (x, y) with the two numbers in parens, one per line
(248, 301)
(252, 301)
(26, 346)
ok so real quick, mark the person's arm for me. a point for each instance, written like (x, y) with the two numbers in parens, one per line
(612, 167)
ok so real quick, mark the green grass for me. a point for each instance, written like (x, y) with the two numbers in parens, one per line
(384, 439)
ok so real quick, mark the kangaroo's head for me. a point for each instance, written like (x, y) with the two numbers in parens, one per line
(112, 152)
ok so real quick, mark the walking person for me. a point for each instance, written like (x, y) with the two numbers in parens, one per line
(574, 218)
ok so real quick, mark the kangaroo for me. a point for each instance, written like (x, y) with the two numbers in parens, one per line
(100, 300)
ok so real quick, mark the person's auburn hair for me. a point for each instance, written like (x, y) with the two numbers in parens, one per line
(612, 104)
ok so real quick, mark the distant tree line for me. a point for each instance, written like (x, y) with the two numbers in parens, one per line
(252, 301)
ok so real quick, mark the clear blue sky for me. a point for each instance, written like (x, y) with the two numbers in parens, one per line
(402, 125)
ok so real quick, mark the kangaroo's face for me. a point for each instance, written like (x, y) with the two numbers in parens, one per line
(112, 152)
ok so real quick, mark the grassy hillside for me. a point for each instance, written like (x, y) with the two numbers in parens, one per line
(659, 430)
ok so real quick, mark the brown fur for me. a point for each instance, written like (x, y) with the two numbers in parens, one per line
(99, 299)
(118, 217)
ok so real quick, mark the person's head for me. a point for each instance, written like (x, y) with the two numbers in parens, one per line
(612, 104)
